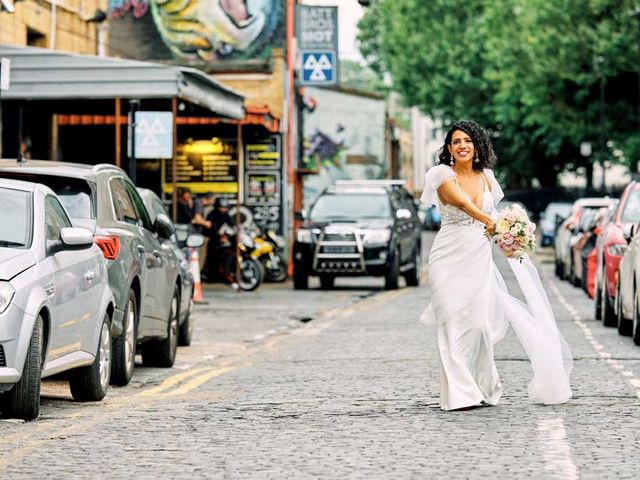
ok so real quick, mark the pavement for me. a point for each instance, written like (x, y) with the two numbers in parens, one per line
(338, 384)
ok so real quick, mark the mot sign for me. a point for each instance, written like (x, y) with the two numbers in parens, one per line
(154, 135)
(317, 37)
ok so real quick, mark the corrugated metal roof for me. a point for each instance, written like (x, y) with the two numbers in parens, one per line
(41, 74)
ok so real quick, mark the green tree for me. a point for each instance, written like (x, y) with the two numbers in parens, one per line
(361, 77)
(529, 70)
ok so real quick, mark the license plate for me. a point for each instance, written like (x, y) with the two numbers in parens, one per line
(339, 249)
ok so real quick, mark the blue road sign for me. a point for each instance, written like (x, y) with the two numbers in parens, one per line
(319, 67)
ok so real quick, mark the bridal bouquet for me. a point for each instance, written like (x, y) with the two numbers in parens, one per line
(513, 233)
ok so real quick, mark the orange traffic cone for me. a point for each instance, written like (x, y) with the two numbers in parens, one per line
(194, 268)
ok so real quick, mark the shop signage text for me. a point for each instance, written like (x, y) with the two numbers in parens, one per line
(317, 36)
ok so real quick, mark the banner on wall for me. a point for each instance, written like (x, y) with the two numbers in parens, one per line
(203, 33)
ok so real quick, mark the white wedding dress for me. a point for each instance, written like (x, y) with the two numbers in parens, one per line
(472, 309)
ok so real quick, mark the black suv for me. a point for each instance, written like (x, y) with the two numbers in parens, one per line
(358, 228)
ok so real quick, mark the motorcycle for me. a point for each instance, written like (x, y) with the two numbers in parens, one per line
(248, 269)
(269, 251)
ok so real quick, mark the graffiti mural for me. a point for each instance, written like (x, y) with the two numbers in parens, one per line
(352, 147)
(196, 32)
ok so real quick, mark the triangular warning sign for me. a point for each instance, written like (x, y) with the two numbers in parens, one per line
(324, 62)
(317, 74)
(311, 63)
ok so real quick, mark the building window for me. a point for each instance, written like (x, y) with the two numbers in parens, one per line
(36, 38)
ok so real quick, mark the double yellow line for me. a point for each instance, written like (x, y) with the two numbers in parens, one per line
(193, 378)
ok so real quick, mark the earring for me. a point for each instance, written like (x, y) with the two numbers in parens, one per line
(452, 160)
(476, 159)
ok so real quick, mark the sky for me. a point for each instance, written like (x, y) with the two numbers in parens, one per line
(349, 13)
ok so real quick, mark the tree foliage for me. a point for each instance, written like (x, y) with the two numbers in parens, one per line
(529, 70)
(361, 77)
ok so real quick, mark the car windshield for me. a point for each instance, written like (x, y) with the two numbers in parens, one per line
(350, 207)
(74, 193)
(631, 211)
(15, 218)
(561, 209)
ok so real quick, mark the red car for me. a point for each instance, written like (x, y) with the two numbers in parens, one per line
(610, 246)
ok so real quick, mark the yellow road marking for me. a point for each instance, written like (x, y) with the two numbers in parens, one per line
(199, 380)
(171, 381)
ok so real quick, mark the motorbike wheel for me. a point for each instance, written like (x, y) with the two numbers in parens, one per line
(250, 273)
(276, 273)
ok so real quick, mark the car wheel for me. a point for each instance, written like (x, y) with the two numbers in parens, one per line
(300, 280)
(327, 281)
(162, 353)
(89, 384)
(624, 325)
(559, 272)
(391, 278)
(573, 279)
(636, 321)
(23, 400)
(412, 276)
(185, 333)
(607, 313)
(598, 302)
(124, 347)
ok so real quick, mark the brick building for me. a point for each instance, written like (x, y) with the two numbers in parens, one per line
(68, 25)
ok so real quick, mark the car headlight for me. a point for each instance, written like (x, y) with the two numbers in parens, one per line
(303, 236)
(376, 237)
(6, 295)
(617, 249)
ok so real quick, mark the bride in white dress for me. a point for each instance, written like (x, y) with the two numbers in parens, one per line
(470, 303)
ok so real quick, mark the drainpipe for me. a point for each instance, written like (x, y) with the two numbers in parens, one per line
(53, 26)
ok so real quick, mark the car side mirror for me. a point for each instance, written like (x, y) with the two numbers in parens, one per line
(74, 238)
(403, 214)
(195, 240)
(628, 231)
(71, 238)
(163, 227)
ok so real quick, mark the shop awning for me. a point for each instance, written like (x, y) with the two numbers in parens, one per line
(41, 74)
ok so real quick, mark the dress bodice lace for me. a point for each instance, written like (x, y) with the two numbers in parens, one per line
(453, 216)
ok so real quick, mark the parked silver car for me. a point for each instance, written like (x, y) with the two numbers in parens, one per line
(55, 303)
(567, 234)
(143, 276)
(155, 207)
(627, 300)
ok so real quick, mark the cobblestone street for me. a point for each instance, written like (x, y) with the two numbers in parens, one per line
(338, 384)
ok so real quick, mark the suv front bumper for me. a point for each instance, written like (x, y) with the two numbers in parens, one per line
(376, 262)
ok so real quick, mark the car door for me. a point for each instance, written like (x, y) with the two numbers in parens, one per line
(161, 265)
(72, 294)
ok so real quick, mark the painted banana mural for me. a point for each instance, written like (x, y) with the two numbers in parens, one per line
(210, 30)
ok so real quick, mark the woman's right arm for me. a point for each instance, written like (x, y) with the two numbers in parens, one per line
(451, 194)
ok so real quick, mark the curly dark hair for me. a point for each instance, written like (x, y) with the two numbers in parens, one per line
(481, 142)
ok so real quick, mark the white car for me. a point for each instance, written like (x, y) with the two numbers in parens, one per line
(55, 303)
